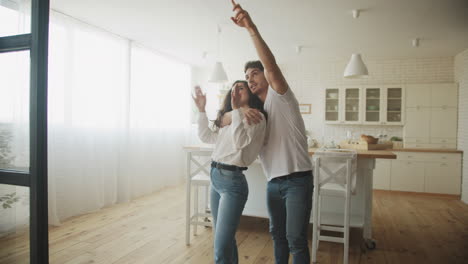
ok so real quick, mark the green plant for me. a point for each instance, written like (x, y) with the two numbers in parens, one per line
(8, 200)
(396, 139)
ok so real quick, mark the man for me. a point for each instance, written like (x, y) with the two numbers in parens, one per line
(285, 156)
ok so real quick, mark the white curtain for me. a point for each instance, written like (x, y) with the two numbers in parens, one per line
(118, 118)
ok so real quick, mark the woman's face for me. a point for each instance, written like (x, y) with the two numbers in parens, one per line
(244, 94)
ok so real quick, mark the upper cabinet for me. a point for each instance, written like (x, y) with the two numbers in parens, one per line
(431, 120)
(371, 105)
(352, 105)
(332, 106)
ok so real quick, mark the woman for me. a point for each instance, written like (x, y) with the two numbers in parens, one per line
(236, 147)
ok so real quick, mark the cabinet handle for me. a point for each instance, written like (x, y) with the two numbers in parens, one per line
(410, 156)
(443, 165)
(409, 163)
(444, 107)
(443, 140)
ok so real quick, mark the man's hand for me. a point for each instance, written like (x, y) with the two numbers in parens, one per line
(241, 17)
(199, 99)
(252, 115)
(235, 97)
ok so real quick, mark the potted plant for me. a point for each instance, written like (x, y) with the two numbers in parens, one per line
(397, 142)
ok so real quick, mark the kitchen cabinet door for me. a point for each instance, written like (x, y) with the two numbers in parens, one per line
(372, 105)
(443, 123)
(381, 178)
(393, 106)
(417, 124)
(444, 95)
(332, 106)
(418, 95)
(352, 107)
(443, 177)
(407, 176)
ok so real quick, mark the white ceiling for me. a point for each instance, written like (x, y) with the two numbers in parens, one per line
(326, 29)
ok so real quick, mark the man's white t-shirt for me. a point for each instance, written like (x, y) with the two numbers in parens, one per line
(285, 150)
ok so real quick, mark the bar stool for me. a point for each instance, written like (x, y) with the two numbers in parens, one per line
(198, 176)
(334, 175)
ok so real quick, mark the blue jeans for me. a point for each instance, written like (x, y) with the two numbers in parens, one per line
(229, 191)
(289, 205)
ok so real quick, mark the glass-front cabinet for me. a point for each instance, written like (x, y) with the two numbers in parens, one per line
(352, 101)
(370, 105)
(394, 105)
(332, 105)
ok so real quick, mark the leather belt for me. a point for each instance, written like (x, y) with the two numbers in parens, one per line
(222, 166)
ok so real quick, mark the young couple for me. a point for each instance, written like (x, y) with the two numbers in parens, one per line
(259, 117)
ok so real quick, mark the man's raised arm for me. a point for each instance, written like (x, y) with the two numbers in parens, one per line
(273, 73)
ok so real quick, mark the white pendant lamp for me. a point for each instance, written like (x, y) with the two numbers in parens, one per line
(218, 74)
(356, 67)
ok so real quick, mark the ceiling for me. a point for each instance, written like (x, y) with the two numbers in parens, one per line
(325, 28)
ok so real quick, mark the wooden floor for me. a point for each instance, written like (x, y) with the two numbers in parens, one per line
(409, 228)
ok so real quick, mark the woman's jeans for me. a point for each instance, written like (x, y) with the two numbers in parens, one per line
(229, 191)
(289, 201)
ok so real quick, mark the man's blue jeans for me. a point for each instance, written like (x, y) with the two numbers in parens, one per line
(229, 191)
(289, 201)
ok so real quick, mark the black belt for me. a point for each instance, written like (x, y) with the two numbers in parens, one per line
(294, 175)
(222, 166)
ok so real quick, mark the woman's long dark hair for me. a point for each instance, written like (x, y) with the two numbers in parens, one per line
(254, 102)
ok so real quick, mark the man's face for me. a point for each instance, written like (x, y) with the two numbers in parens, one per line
(256, 80)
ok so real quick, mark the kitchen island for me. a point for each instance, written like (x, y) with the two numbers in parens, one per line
(332, 207)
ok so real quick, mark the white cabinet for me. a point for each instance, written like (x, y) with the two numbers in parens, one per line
(417, 125)
(407, 176)
(352, 105)
(393, 105)
(418, 95)
(431, 116)
(332, 106)
(444, 95)
(420, 172)
(443, 123)
(382, 174)
(443, 177)
(372, 105)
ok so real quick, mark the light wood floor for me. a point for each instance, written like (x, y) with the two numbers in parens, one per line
(409, 228)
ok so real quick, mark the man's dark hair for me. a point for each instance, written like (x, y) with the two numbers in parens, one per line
(253, 64)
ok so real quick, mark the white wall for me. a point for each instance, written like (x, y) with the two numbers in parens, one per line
(461, 76)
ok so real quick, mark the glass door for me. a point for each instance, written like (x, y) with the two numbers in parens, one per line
(332, 106)
(352, 102)
(394, 102)
(372, 105)
(24, 28)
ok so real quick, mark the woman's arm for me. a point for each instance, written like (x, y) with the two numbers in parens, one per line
(242, 133)
(205, 134)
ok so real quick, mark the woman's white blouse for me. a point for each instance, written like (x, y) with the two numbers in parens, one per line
(237, 144)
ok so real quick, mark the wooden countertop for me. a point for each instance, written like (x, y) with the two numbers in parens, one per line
(428, 150)
(368, 154)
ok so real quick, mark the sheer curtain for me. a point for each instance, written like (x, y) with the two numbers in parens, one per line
(118, 118)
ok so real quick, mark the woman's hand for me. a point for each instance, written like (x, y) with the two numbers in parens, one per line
(241, 18)
(235, 97)
(252, 115)
(199, 99)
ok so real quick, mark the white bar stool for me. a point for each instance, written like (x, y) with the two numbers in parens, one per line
(197, 176)
(334, 175)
